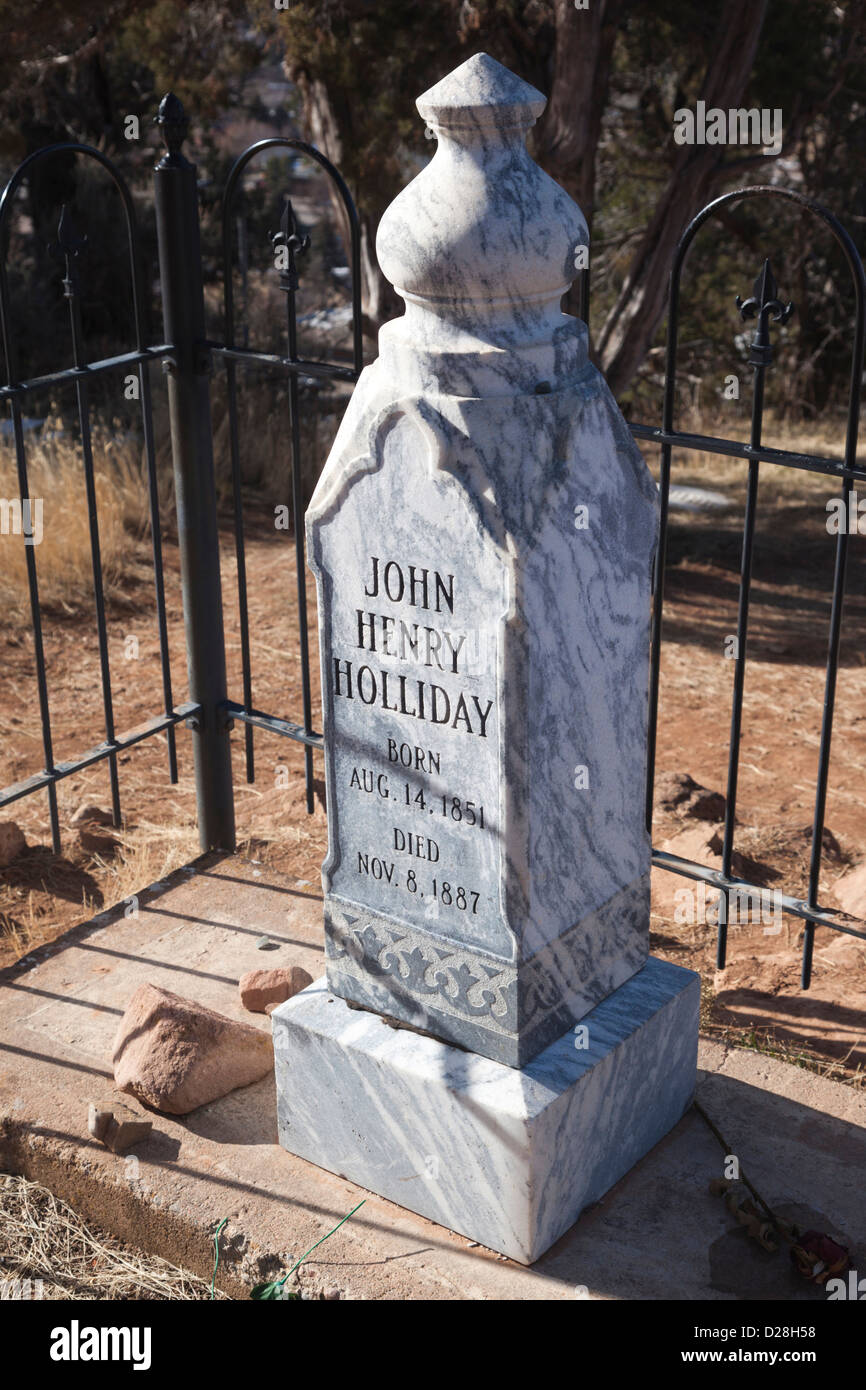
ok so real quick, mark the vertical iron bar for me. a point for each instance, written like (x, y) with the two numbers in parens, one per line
(740, 659)
(244, 263)
(583, 296)
(241, 555)
(826, 733)
(35, 614)
(298, 520)
(854, 394)
(82, 396)
(156, 546)
(656, 629)
(178, 236)
(357, 316)
(661, 548)
(237, 494)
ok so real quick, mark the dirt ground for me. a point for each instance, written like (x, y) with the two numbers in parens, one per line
(757, 999)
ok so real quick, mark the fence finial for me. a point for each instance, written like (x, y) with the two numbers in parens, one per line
(67, 248)
(763, 304)
(291, 240)
(173, 123)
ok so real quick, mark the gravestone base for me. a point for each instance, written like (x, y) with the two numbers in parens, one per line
(435, 986)
(506, 1157)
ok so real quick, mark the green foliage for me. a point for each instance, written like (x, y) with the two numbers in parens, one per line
(277, 1289)
(810, 63)
(275, 1292)
(68, 72)
(375, 60)
(343, 46)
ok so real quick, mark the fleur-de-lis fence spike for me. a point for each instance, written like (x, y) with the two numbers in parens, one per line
(67, 248)
(764, 305)
(295, 242)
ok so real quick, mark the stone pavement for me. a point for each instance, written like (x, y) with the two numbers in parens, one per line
(656, 1235)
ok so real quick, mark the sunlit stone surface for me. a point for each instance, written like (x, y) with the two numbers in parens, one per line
(509, 1158)
(482, 537)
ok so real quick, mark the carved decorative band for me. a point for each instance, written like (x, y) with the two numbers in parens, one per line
(500, 996)
(451, 981)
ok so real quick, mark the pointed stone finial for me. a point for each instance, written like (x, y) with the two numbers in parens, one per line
(482, 246)
(479, 95)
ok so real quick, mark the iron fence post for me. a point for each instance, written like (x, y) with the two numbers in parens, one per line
(179, 249)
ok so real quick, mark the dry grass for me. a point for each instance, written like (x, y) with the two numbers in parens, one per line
(31, 889)
(265, 449)
(767, 1041)
(719, 472)
(147, 854)
(63, 557)
(42, 1238)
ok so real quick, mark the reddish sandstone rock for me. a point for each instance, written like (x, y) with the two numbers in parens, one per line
(90, 822)
(260, 988)
(117, 1126)
(88, 814)
(850, 892)
(12, 841)
(176, 1055)
(677, 791)
(94, 843)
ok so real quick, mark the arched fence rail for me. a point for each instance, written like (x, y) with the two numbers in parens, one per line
(16, 393)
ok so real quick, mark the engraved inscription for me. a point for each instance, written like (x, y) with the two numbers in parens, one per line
(391, 861)
(415, 597)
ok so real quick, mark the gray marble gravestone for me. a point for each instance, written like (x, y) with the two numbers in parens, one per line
(482, 537)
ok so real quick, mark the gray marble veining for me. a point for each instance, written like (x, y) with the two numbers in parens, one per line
(509, 1158)
(482, 537)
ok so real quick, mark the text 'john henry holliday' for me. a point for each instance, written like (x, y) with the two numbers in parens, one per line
(415, 643)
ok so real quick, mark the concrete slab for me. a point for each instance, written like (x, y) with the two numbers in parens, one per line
(656, 1235)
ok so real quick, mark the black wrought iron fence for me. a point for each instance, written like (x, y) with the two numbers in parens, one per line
(187, 357)
(290, 240)
(15, 393)
(765, 308)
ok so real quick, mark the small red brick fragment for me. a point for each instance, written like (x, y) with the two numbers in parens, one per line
(259, 988)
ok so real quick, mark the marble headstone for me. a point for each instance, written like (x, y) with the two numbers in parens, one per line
(482, 538)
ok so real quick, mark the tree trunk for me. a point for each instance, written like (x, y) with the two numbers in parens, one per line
(326, 124)
(379, 300)
(567, 135)
(632, 322)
